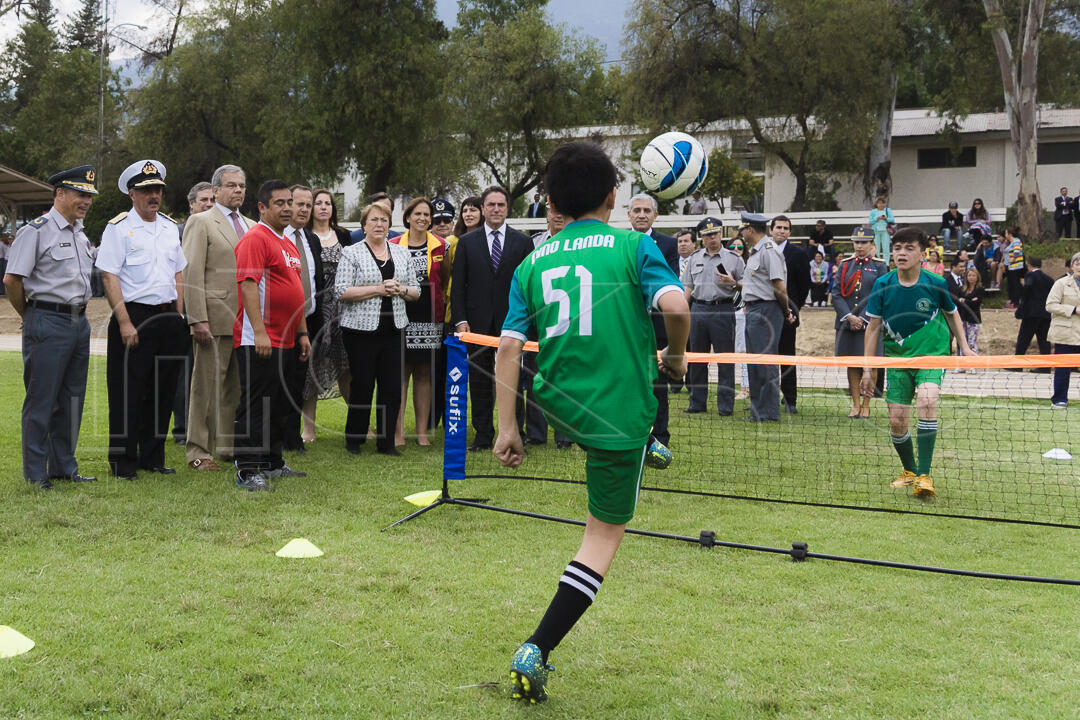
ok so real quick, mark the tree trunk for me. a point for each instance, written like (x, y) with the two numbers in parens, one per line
(877, 173)
(1019, 80)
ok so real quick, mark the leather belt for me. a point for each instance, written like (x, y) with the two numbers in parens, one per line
(162, 307)
(58, 307)
(715, 302)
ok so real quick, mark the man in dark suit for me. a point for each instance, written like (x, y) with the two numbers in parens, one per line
(1064, 208)
(484, 265)
(643, 212)
(798, 286)
(1034, 319)
(954, 279)
(311, 276)
(537, 209)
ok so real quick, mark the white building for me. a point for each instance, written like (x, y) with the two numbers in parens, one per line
(925, 175)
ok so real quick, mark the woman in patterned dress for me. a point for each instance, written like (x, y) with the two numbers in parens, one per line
(328, 370)
(423, 335)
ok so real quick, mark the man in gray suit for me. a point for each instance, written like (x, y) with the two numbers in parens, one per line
(211, 303)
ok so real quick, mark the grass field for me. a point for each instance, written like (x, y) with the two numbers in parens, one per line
(162, 598)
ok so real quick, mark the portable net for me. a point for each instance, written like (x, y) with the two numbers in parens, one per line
(1002, 451)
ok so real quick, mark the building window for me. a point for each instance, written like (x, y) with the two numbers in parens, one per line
(1059, 153)
(936, 158)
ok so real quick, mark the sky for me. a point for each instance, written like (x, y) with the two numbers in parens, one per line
(601, 19)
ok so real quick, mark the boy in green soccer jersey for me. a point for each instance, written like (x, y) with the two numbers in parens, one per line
(916, 311)
(586, 292)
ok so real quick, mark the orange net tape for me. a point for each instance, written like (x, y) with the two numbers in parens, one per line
(947, 362)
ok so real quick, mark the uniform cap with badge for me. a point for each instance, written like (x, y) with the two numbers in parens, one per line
(141, 174)
(709, 226)
(755, 220)
(862, 234)
(82, 178)
(442, 208)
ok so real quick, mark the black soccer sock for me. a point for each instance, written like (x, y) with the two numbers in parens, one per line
(906, 450)
(577, 590)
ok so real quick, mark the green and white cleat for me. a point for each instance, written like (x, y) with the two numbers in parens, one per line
(658, 456)
(529, 674)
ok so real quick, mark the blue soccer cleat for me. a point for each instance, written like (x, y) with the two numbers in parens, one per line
(658, 456)
(529, 674)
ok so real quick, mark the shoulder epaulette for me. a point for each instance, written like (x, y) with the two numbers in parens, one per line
(119, 217)
(161, 214)
(38, 221)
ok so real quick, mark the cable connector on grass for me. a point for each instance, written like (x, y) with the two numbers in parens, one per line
(707, 539)
(798, 551)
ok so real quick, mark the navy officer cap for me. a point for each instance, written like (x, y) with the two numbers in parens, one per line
(751, 219)
(440, 207)
(709, 225)
(81, 178)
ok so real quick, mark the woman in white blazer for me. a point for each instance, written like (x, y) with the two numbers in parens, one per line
(1062, 303)
(374, 279)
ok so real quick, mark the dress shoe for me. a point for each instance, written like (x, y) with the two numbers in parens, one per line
(725, 413)
(693, 410)
(204, 464)
(74, 477)
(790, 409)
(533, 441)
(563, 444)
(126, 476)
(394, 452)
(41, 484)
(477, 446)
(161, 470)
(353, 448)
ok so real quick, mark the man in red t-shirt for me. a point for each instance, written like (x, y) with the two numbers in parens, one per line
(269, 321)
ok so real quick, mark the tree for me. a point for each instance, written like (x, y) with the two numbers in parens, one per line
(84, 29)
(794, 70)
(727, 180)
(1019, 74)
(517, 85)
(27, 54)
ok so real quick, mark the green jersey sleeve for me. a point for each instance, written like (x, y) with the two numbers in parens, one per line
(655, 274)
(518, 318)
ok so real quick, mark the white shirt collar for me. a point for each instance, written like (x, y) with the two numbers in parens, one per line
(502, 230)
(227, 212)
(781, 246)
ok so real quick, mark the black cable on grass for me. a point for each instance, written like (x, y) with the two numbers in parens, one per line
(805, 503)
(798, 551)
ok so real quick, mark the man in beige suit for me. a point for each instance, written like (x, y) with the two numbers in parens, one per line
(211, 304)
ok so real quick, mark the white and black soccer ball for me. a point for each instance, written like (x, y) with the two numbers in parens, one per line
(673, 164)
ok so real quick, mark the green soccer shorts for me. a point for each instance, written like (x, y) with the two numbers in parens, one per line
(900, 383)
(613, 479)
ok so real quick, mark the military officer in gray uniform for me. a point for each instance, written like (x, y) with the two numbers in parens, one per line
(141, 263)
(764, 289)
(48, 284)
(852, 288)
(710, 281)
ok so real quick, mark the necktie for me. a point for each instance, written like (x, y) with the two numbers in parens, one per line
(305, 279)
(496, 249)
(236, 224)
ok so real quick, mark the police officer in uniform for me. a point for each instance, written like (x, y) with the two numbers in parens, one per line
(764, 289)
(710, 279)
(141, 262)
(48, 284)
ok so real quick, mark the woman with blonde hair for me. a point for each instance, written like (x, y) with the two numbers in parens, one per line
(423, 336)
(374, 280)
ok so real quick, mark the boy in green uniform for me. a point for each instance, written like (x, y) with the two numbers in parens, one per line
(586, 293)
(916, 311)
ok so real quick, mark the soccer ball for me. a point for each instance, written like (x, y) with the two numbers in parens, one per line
(673, 164)
(658, 456)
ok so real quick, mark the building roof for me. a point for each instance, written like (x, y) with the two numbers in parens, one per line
(922, 122)
(19, 189)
